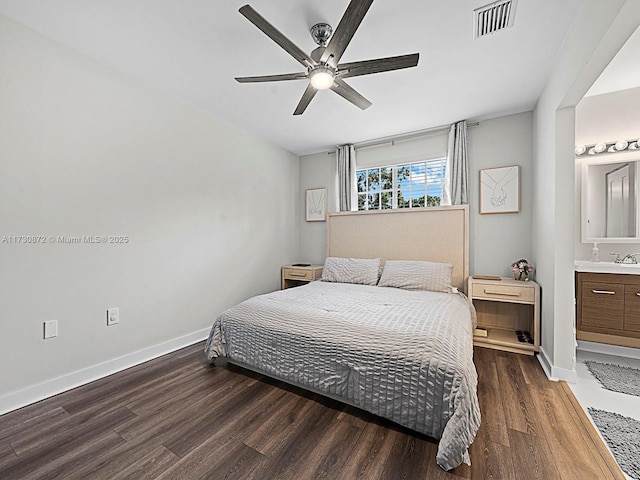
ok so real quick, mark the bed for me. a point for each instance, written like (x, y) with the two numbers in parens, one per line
(401, 353)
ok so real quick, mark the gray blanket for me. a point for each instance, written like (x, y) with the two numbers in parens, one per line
(403, 355)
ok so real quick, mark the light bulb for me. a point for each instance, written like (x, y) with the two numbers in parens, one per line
(621, 145)
(321, 78)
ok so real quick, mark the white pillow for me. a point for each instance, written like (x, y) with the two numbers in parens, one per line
(351, 270)
(416, 275)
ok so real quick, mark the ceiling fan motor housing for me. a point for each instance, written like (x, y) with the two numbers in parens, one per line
(321, 33)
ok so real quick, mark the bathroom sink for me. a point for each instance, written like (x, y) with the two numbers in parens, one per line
(606, 267)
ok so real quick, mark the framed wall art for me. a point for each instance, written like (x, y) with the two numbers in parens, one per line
(316, 204)
(500, 190)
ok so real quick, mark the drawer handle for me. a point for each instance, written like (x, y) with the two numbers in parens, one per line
(506, 294)
(293, 274)
(638, 294)
(606, 292)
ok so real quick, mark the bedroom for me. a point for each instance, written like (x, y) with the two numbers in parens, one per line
(110, 155)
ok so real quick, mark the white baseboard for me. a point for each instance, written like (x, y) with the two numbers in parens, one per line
(608, 349)
(49, 388)
(545, 363)
(555, 373)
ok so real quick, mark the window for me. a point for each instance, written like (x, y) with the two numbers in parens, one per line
(408, 185)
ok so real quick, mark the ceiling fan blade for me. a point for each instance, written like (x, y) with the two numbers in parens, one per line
(345, 30)
(341, 88)
(367, 67)
(307, 96)
(274, 34)
(272, 78)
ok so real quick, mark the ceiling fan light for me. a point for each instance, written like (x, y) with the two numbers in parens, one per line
(321, 78)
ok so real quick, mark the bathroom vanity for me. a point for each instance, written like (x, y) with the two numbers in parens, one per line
(608, 304)
(608, 292)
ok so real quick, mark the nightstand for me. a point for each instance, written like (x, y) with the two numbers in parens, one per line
(504, 307)
(293, 276)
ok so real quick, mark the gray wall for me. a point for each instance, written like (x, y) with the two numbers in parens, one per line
(316, 171)
(608, 117)
(210, 212)
(496, 240)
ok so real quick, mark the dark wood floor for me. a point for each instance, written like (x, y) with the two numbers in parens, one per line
(177, 418)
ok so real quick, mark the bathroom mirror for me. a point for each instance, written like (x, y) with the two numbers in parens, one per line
(610, 199)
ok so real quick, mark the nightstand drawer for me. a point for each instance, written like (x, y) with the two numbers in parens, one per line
(297, 274)
(503, 292)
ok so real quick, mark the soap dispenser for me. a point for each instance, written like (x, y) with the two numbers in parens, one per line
(595, 254)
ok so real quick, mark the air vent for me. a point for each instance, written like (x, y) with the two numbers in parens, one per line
(493, 17)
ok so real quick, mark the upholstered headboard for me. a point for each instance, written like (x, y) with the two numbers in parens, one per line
(436, 234)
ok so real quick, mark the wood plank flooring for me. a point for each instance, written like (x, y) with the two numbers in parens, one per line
(178, 418)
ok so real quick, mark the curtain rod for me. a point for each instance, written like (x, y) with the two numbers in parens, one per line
(403, 136)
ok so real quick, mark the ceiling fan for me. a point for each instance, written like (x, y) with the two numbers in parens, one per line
(323, 69)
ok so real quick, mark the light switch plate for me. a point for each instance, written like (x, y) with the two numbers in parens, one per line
(113, 316)
(50, 329)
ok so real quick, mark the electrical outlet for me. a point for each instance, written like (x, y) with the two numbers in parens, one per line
(113, 316)
(50, 329)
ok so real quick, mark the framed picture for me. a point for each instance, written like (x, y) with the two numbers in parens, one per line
(316, 205)
(500, 190)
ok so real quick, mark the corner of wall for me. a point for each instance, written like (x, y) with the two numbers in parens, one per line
(554, 373)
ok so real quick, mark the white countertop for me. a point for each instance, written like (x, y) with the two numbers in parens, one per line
(606, 267)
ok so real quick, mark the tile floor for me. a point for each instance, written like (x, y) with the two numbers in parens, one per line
(590, 393)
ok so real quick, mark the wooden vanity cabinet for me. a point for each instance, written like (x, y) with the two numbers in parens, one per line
(608, 308)
(602, 306)
(632, 308)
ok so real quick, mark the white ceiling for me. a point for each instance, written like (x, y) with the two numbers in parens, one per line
(609, 111)
(623, 72)
(193, 49)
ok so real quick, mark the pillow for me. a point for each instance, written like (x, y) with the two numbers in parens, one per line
(351, 270)
(416, 275)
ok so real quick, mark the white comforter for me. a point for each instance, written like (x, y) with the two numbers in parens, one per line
(403, 355)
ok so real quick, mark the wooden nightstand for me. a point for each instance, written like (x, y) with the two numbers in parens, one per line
(505, 306)
(293, 276)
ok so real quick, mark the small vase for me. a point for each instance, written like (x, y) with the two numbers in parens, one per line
(522, 276)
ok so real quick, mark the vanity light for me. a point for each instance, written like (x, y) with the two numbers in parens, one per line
(600, 147)
(609, 147)
(621, 145)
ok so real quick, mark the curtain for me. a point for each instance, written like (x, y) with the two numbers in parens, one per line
(456, 187)
(346, 177)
